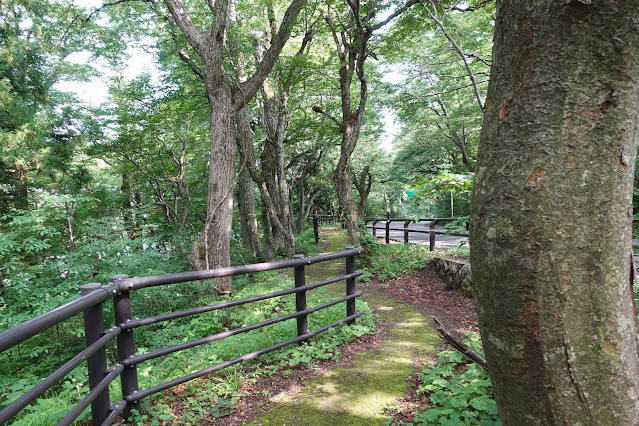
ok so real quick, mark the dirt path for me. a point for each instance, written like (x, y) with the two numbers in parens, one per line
(359, 393)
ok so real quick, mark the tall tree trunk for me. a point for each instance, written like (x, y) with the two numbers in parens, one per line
(275, 123)
(246, 191)
(557, 154)
(248, 216)
(212, 247)
(301, 201)
(345, 194)
(274, 230)
(363, 185)
(127, 201)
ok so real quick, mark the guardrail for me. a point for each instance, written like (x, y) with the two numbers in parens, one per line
(432, 230)
(91, 304)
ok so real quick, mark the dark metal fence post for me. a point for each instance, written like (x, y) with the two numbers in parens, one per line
(375, 228)
(406, 231)
(126, 345)
(316, 228)
(300, 297)
(350, 285)
(97, 363)
(388, 231)
(432, 234)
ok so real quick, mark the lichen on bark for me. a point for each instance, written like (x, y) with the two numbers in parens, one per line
(551, 218)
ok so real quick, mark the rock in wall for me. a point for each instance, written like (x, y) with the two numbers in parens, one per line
(455, 273)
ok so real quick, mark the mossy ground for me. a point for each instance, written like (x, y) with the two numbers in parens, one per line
(357, 394)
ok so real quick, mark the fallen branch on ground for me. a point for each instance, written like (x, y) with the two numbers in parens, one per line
(456, 341)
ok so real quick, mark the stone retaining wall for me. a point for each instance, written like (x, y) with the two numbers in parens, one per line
(455, 273)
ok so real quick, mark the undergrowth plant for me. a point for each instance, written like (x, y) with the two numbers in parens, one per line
(461, 251)
(460, 391)
(389, 262)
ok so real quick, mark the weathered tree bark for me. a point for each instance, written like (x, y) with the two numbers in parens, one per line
(275, 122)
(305, 194)
(275, 95)
(556, 159)
(212, 247)
(246, 196)
(363, 185)
(275, 231)
(248, 216)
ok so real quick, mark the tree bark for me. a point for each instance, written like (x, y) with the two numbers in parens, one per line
(212, 247)
(246, 194)
(363, 185)
(248, 216)
(21, 190)
(274, 230)
(275, 121)
(556, 159)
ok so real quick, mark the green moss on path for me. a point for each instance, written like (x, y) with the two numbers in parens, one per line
(357, 394)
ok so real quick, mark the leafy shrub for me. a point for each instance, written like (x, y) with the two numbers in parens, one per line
(460, 392)
(462, 251)
(305, 243)
(389, 262)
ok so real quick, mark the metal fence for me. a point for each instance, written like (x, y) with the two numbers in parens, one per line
(432, 228)
(91, 304)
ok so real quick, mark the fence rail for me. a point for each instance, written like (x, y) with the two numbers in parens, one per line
(319, 220)
(93, 296)
(432, 228)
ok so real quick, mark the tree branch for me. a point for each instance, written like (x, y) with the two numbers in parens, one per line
(473, 8)
(194, 36)
(319, 110)
(249, 88)
(457, 47)
(189, 62)
(395, 14)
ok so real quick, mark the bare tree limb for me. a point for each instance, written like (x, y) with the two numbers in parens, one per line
(473, 8)
(250, 87)
(455, 340)
(395, 14)
(432, 13)
(339, 124)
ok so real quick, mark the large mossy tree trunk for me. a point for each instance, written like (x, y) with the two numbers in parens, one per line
(551, 221)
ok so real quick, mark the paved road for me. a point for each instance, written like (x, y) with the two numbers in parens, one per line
(397, 234)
